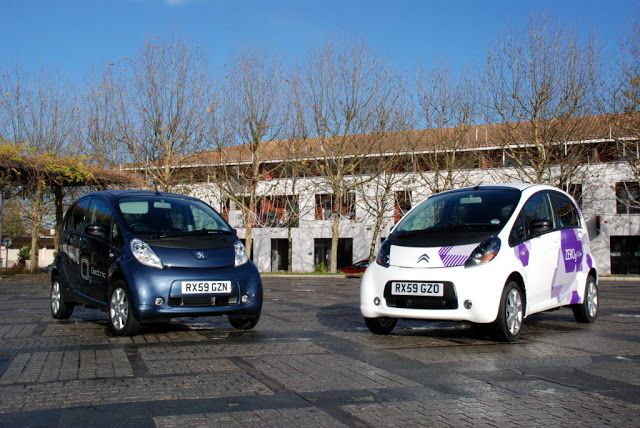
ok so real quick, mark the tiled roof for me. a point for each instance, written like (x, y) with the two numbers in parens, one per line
(470, 138)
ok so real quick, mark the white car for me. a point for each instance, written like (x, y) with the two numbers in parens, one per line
(490, 254)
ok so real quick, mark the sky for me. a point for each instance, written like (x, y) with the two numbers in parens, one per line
(79, 37)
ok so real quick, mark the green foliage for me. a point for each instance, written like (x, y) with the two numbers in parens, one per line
(320, 267)
(24, 254)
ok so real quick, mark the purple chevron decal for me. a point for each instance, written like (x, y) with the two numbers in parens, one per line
(455, 256)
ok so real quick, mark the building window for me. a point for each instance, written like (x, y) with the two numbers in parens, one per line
(225, 205)
(325, 206)
(278, 211)
(402, 204)
(628, 197)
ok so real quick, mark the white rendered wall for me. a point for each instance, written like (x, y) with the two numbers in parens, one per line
(598, 187)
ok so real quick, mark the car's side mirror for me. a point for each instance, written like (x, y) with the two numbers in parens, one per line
(97, 230)
(538, 227)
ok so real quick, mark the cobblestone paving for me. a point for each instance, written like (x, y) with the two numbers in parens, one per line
(312, 362)
(258, 419)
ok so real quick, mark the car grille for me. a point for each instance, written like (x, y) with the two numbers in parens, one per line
(203, 301)
(449, 300)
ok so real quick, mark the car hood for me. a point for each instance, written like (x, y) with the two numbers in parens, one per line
(430, 257)
(195, 252)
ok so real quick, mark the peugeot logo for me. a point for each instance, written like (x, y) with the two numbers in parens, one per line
(423, 258)
(200, 255)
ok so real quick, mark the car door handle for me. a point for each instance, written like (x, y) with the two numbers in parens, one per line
(111, 255)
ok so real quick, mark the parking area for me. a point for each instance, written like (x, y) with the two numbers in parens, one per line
(312, 362)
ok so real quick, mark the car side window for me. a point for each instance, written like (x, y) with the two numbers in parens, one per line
(535, 219)
(518, 232)
(565, 211)
(78, 215)
(116, 235)
(100, 214)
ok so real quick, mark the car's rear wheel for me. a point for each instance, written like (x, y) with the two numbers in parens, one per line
(382, 325)
(587, 311)
(508, 324)
(122, 320)
(243, 323)
(60, 309)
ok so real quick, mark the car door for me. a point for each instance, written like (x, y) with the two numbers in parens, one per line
(541, 244)
(72, 245)
(566, 281)
(98, 230)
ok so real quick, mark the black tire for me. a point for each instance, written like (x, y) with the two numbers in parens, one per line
(587, 311)
(60, 309)
(382, 325)
(244, 323)
(122, 320)
(508, 324)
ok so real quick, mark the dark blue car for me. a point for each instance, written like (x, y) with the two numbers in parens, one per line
(146, 256)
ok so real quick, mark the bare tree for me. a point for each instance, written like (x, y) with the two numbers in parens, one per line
(100, 130)
(40, 115)
(250, 114)
(342, 90)
(624, 103)
(389, 166)
(536, 86)
(449, 109)
(162, 106)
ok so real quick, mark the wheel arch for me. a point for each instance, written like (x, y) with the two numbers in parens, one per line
(518, 278)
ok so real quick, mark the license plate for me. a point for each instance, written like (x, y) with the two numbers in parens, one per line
(417, 288)
(206, 287)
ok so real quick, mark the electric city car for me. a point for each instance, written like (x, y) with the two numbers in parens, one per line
(148, 256)
(490, 254)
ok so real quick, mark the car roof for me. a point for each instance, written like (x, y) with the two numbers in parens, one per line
(118, 194)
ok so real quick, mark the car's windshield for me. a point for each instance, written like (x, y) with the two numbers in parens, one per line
(469, 210)
(170, 216)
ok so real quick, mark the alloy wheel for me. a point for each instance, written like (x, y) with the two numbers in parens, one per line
(55, 297)
(119, 308)
(514, 311)
(592, 299)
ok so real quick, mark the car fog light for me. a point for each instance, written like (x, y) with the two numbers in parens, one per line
(159, 301)
(467, 304)
(376, 301)
(244, 298)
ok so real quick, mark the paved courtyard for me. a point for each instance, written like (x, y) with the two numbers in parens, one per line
(312, 362)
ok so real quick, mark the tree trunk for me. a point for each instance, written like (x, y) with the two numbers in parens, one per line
(289, 248)
(335, 235)
(57, 190)
(37, 223)
(374, 238)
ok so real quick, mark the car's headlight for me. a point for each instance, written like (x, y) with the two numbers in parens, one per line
(241, 253)
(144, 254)
(383, 254)
(484, 253)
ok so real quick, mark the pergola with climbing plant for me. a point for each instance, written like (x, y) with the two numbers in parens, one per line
(24, 172)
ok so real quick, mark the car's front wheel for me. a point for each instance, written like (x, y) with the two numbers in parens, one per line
(587, 311)
(60, 309)
(382, 325)
(122, 320)
(508, 324)
(244, 323)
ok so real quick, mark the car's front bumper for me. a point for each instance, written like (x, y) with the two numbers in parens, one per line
(481, 286)
(146, 284)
